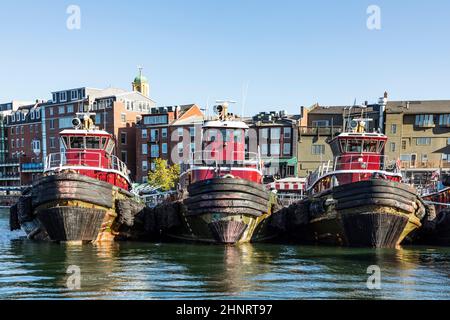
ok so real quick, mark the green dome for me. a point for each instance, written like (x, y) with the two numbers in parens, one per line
(140, 79)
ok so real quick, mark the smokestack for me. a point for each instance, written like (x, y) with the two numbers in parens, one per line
(382, 102)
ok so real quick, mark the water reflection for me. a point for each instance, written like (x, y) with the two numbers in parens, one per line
(31, 270)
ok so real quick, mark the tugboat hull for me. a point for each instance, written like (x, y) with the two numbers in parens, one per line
(374, 213)
(225, 210)
(70, 207)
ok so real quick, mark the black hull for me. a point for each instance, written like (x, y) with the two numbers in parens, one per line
(374, 213)
(74, 208)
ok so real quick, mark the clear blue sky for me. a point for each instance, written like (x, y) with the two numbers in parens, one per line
(291, 53)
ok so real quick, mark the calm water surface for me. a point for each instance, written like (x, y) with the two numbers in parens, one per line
(181, 271)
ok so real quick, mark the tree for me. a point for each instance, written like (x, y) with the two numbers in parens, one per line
(164, 176)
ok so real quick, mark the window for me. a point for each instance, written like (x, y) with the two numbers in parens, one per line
(192, 148)
(61, 110)
(38, 114)
(92, 142)
(50, 111)
(63, 96)
(180, 131)
(320, 123)
(264, 149)
(36, 145)
(287, 149)
(154, 135)
(13, 117)
(55, 99)
(275, 149)
(52, 143)
(123, 117)
(192, 131)
(444, 120)
(424, 120)
(264, 133)
(392, 146)
(164, 148)
(65, 122)
(154, 152)
(22, 142)
(32, 115)
(21, 129)
(144, 133)
(287, 133)
(124, 156)
(275, 133)
(393, 128)
(123, 138)
(23, 116)
(162, 119)
(52, 124)
(424, 158)
(98, 119)
(180, 149)
(404, 144)
(423, 141)
(448, 141)
(77, 143)
(354, 146)
(12, 143)
(70, 108)
(144, 148)
(318, 149)
(144, 165)
(164, 132)
(446, 157)
(74, 94)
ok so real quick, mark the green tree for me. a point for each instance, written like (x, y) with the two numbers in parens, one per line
(164, 176)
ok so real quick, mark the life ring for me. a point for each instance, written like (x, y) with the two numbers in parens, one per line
(229, 176)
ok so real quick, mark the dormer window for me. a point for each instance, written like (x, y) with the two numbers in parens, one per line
(32, 115)
(23, 116)
(13, 117)
(63, 96)
(38, 113)
(74, 95)
(55, 98)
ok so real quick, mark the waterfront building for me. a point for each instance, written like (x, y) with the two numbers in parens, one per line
(419, 136)
(275, 133)
(167, 133)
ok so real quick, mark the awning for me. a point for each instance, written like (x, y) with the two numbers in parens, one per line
(288, 185)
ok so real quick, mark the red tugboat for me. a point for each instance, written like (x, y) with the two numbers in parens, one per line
(84, 194)
(224, 198)
(359, 200)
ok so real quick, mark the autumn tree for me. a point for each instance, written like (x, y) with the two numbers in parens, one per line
(164, 176)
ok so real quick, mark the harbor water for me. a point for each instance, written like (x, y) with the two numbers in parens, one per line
(31, 270)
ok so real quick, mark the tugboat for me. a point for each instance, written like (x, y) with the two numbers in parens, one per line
(224, 199)
(84, 194)
(359, 200)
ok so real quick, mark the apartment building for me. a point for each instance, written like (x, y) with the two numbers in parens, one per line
(168, 133)
(419, 135)
(275, 133)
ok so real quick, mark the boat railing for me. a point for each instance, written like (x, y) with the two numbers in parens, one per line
(89, 160)
(233, 159)
(358, 162)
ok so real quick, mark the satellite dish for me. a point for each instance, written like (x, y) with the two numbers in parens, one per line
(76, 123)
(218, 109)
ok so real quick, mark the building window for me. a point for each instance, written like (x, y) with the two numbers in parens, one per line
(144, 133)
(448, 141)
(65, 122)
(13, 117)
(21, 129)
(318, 149)
(393, 128)
(424, 120)
(50, 111)
(180, 149)
(154, 135)
(423, 141)
(180, 131)
(287, 149)
(192, 131)
(275, 133)
(55, 99)
(446, 157)
(144, 148)
(124, 156)
(287, 133)
(61, 110)
(275, 149)
(444, 120)
(38, 114)
(123, 117)
(52, 143)
(31, 128)
(144, 165)
(12, 143)
(98, 119)
(392, 146)
(74, 94)
(23, 116)
(32, 115)
(404, 144)
(70, 108)
(162, 119)
(123, 138)
(52, 124)
(424, 158)
(154, 151)
(264, 149)
(164, 148)
(63, 96)
(321, 123)
(22, 142)
(164, 133)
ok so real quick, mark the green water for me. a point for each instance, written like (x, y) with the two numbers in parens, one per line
(181, 271)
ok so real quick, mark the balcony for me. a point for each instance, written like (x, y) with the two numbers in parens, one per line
(321, 131)
(9, 164)
(32, 167)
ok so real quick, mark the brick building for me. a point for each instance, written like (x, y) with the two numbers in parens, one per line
(167, 133)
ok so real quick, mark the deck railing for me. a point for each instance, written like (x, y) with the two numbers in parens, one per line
(233, 159)
(89, 160)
